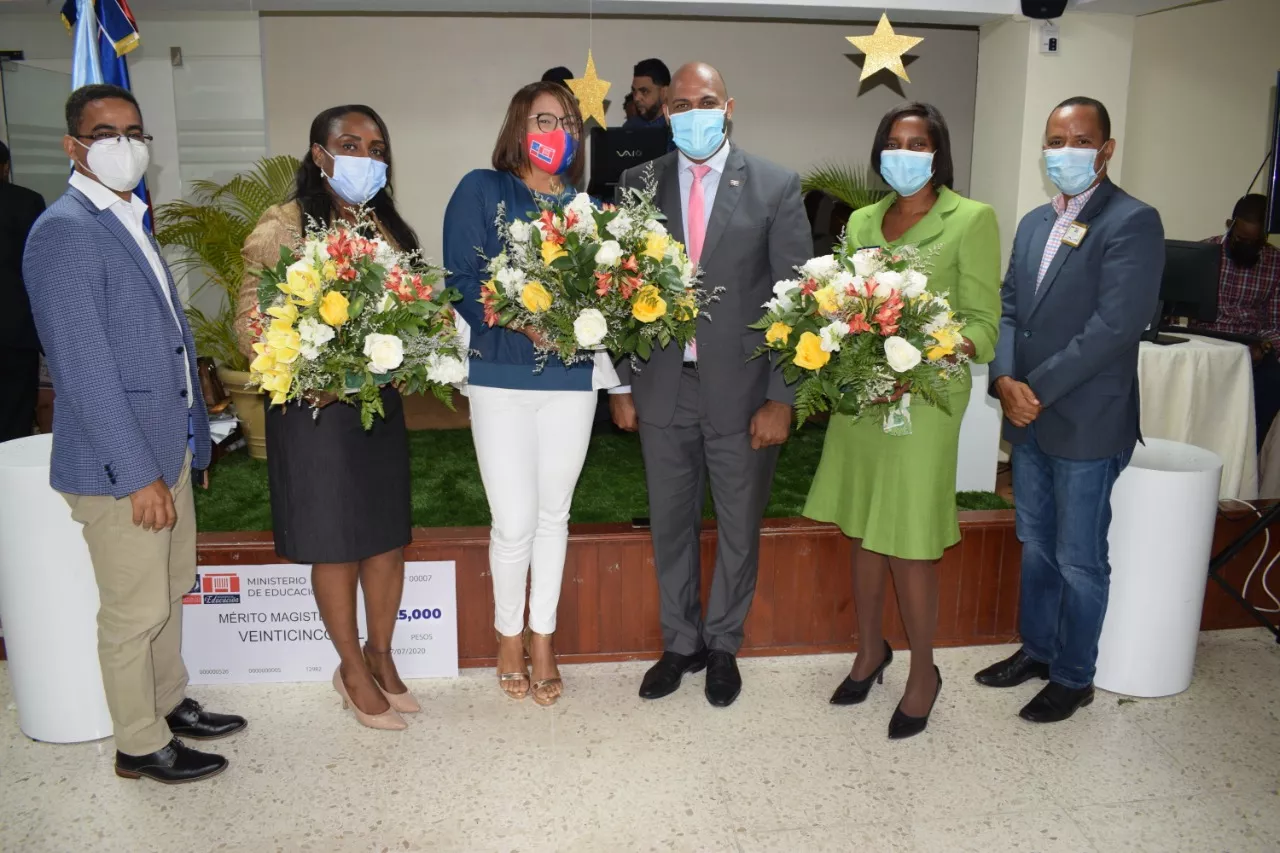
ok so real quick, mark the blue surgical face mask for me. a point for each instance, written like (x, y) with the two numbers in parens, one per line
(698, 133)
(1071, 169)
(356, 179)
(906, 171)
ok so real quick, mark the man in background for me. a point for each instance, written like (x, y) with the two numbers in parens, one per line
(1082, 286)
(19, 346)
(1249, 300)
(649, 91)
(558, 75)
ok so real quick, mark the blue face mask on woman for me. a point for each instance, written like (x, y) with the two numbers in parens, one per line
(698, 133)
(356, 179)
(906, 171)
(1071, 169)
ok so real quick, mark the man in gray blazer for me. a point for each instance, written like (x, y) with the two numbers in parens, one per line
(1082, 286)
(709, 412)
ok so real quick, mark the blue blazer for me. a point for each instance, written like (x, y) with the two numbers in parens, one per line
(1075, 340)
(115, 354)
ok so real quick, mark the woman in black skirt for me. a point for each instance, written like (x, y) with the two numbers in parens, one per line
(340, 495)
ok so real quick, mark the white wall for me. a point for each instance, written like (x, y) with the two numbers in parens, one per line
(1201, 97)
(443, 83)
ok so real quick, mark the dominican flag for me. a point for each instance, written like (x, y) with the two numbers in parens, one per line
(544, 152)
(104, 31)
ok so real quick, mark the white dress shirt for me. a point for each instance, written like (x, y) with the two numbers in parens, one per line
(131, 215)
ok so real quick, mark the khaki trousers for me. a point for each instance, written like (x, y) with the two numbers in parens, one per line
(142, 577)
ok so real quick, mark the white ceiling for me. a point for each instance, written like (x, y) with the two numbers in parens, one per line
(946, 12)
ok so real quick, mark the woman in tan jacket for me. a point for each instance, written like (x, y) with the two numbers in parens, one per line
(340, 495)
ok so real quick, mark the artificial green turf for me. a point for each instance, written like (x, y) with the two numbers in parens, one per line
(447, 491)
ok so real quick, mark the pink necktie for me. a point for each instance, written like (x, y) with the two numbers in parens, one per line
(697, 230)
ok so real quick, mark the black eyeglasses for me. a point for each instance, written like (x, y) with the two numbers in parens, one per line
(112, 136)
(548, 122)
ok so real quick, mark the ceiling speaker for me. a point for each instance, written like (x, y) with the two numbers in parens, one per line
(1044, 9)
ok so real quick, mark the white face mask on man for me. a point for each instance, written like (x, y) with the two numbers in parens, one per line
(118, 163)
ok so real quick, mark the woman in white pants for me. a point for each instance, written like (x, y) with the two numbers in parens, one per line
(531, 430)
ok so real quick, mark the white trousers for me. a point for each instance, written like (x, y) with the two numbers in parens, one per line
(531, 446)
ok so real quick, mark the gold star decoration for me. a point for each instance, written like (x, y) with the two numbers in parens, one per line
(590, 91)
(884, 49)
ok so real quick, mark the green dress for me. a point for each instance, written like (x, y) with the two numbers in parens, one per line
(898, 493)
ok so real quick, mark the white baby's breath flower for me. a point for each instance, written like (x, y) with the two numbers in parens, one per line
(900, 354)
(832, 334)
(609, 254)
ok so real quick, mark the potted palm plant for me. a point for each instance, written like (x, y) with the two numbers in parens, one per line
(856, 186)
(211, 227)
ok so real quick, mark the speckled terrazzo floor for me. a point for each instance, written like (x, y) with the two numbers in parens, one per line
(779, 771)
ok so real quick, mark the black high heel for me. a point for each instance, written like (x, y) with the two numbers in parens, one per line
(852, 692)
(905, 726)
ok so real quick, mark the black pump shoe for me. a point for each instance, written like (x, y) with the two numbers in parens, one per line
(852, 692)
(904, 726)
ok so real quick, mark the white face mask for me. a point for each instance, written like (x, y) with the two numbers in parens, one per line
(118, 164)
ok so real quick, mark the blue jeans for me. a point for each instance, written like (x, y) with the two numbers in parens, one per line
(1063, 511)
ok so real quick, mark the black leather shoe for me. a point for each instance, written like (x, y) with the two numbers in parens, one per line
(190, 720)
(904, 726)
(174, 764)
(1056, 702)
(724, 682)
(663, 678)
(1013, 671)
(852, 692)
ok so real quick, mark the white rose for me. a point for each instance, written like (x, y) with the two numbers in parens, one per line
(446, 370)
(917, 283)
(653, 226)
(820, 268)
(590, 328)
(315, 250)
(832, 335)
(891, 278)
(520, 231)
(866, 262)
(385, 352)
(785, 287)
(900, 354)
(511, 280)
(609, 254)
(620, 226)
(383, 255)
(314, 332)
(843, 280)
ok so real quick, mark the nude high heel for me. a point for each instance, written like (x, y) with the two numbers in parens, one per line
(549, 690)
(404, 703)
(514, 684)
(388, 720)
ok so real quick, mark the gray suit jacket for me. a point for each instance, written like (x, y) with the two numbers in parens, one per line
(756, 235)
(1075, 340)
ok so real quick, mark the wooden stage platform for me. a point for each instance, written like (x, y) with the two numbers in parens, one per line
(804, 598)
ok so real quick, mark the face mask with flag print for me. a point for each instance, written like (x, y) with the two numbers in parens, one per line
(552, 152)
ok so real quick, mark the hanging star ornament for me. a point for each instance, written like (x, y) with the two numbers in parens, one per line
(884, 49)
(590, 91)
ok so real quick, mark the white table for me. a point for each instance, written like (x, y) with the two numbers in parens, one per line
(1201, 393)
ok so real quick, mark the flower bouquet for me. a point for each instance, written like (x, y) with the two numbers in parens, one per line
(591, 280)
(857, 328)
(344, 315)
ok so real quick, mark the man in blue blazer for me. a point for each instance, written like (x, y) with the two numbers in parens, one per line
(129, 428)
(1082, 286)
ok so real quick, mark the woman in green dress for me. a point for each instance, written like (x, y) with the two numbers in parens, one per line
(895, 495)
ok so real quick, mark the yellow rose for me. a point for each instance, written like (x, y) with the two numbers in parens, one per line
(551, 251)
(827, 300)
(535, 297)
(777, 333)
(809, 352)
(648, 304)
(656, 245)
(333, 308)
(302, 282)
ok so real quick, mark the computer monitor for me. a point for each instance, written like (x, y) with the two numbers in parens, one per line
(614, 150)
(1188, 287)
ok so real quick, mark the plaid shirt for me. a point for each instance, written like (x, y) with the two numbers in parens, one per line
(1249, 297)
(1067, 213)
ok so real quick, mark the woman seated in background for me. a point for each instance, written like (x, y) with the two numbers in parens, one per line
(531, 428)
(340, 495)
(895, 496)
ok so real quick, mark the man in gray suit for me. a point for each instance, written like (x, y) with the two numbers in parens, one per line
(709, 412)
(1082, 286)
